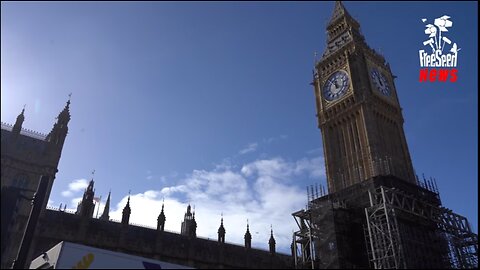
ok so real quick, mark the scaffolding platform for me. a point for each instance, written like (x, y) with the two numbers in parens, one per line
(383, 223)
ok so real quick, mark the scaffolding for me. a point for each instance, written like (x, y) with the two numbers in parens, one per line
(395, 229)
(302, 241)
(385, 241)
(316, 242)
(382, 235)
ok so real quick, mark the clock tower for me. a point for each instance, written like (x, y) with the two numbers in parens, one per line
(358, 110)
(376, 214)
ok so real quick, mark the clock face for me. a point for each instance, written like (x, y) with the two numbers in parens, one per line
(336, 86)
(380, 82)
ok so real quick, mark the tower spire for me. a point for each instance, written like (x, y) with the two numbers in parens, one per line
(342, 30)
(90, 184)
(91, 180)
(18, 124)
(189, 225)
(60, 128)
(86, 207)
(161, 219)
(248, 237)
(106, 211)
(126, 211)
(339, 11)
(221, 232)
(64, 115)
(271, 242)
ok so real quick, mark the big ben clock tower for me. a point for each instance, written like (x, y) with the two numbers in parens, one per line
(377, 214)
(358, 110)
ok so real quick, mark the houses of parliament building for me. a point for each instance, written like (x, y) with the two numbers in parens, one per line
(376, 213)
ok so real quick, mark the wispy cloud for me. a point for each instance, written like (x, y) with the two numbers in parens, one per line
(252, 147)
(74, 187)
(315, 151)
(264, 191)
(149, 175)
(275, 139)
(170, 178)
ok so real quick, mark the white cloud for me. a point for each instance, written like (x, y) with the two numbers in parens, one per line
(75, 202)
(314, 166)
(77, 185)
(275, 139)
(74, 187)
(67, 193)
(264, 191)
(252, 147)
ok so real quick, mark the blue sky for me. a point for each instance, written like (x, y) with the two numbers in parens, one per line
(210, 103)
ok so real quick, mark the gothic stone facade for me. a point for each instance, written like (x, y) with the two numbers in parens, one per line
(176, 248)
(25, 156)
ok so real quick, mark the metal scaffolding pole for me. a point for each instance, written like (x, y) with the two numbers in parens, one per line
(383, 234)
(386, 250)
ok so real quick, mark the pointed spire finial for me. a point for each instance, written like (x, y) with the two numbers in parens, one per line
(18, 123)
(67, 107)
(106, 210)
(68, 101)
(128, 201)
(339, 11)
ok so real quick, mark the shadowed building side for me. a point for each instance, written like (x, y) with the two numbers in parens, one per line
(26, 155)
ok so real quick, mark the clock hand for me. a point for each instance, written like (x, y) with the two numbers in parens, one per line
(336, 84)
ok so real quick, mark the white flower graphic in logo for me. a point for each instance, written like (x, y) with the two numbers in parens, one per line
(434, 32)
